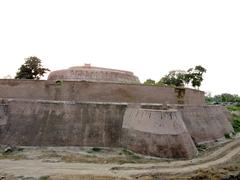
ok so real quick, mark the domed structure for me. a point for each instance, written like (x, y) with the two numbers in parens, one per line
(94, 74)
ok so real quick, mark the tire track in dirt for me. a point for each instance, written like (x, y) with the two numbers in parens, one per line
(205, 158)
(37, 168)
(178, 170)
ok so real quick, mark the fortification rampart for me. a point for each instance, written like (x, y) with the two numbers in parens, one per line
(98, 92)
(164, 133)
(159, 121)
(93, 74)
(157, 133)
(3, 114)
(206, 123)
(56, 123)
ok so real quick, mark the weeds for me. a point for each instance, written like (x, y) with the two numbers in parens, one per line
(236, 123)
(227, 136)
(233, 108)
(44, 178)
(201, 147)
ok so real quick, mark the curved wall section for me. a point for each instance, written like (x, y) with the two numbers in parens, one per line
(94, 74)
(159, 133)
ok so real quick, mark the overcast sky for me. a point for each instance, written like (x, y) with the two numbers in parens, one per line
(147, 37)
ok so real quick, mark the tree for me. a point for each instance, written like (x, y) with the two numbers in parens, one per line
(149, 82)
(181, 78)
(31, 69)
(195, 76)
(224, 98)
(173, 78)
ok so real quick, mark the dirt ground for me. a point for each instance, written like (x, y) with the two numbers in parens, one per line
(218, 161)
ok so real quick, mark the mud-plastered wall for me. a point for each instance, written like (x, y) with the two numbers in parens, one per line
(45, 123)
(159, 133)
(95, 92)
(3, 114)
(206, 123)
(144, 128)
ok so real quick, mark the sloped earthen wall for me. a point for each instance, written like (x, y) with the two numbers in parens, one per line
(206, 123)
(3, 114)
(159, 133)
(156, 132)
(44, 123)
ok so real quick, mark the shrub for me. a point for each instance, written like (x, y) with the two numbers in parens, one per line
(233, 108)
(236, 123)
(227, 136)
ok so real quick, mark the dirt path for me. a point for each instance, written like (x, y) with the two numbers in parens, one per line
(38, 168)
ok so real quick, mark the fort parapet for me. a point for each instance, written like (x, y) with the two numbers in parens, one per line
(98, 92)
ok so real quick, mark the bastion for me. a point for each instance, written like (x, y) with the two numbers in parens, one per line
(99, 107)
(94, 74)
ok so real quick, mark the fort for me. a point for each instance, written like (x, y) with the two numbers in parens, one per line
(99, 107)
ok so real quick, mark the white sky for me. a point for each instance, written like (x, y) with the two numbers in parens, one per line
(147, 37)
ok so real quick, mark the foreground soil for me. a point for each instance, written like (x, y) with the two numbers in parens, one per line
(221, 161)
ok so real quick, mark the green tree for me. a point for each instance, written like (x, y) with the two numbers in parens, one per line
(31, 69)
(223, 98)
(226, 97)
(195, 76)
(181, 78)
(149, 82)
(173, 78)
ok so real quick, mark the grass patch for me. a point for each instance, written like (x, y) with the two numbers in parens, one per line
(49, 154)
(227, 136)
(236, 123)
(96, 149)
(12, 156)
(100, 160)
(233, 108)
(236, 118)
(201, 147)
(44, 178)
(82, 158)
(131, 155)
(125, 156)
(84, 177)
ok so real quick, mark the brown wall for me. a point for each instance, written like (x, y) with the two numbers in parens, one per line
(95, 91)
(49, 123)
(69, 123)
(206, 123)
(159, 133)
(3, 114)
(194, 97)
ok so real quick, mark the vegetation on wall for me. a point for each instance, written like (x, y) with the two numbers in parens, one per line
(193, 76)
(31, 69)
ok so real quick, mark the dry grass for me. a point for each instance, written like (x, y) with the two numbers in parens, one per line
(122, 157)
(12, 156)
(83, 177)
(119, 159)
(229, 170)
